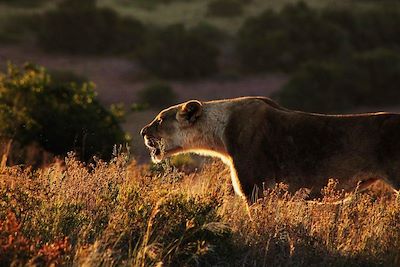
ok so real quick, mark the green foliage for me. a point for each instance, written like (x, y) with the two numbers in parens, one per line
(67, 77)
(18, 28)
(81, 27)
(24, 3)
(157, 95)
(150, 4)
(284, 40)
(318, 87)
(208, 32)
(174, 52)
(370, 78)
(60, 117)
(225, 8)
(369, 29)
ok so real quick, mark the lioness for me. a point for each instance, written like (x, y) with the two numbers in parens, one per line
(264, 143)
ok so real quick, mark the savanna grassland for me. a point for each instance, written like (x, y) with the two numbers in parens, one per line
(119, 213)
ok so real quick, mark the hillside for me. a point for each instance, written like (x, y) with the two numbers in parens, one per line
(189, 12)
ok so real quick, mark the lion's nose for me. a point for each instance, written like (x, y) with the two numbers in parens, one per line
(144, 131)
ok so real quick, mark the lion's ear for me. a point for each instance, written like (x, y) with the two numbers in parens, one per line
(190, 112)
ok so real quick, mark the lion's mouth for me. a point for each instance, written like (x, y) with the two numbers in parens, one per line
(157, 148)
(153, 145)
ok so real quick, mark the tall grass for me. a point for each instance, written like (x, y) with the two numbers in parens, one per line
(120, 213)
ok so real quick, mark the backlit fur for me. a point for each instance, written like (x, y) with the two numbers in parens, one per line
(264, 143)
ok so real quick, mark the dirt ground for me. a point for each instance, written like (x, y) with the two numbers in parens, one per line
(118, 80)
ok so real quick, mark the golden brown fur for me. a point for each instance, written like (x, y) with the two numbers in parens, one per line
(264, 143)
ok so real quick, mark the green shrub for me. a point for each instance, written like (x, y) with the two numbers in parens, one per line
(284, 40)
(318, 87)
(66, 77)
(175, 52)
(209, 33)
(60, 117)
(370, 78)
(18, 28)
(378, 27)
(379, 76)
(158, 95)
(368, 29)
(150, 4)
(24, 3)
(81, 27)
(225, 8)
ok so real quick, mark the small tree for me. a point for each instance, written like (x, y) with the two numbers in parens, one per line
(81, 27)
(60, 117)
(225, 8)
(158, 95)
(174, 52)
(284, 40)
(365, 79)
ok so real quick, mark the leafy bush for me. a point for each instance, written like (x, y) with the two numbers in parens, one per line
(318, 87)
(298, 33)
(158, 95)
(18, 28)
(286, 39)
(225, 8)
(16, 248)
(60, 117)
(369, 29)
(66, 77)
(24, 3)
(208, 32)
(150, 4)
(175, 52)
(370, 78)
(80, 27)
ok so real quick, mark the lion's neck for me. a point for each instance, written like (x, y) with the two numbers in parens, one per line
(216, 118)
(208, 138)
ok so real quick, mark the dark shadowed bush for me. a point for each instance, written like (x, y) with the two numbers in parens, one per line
(284, 40)
(150, 4)
(175, 52)
(370, 78)
(380, 76)
(225, 8)
(66, 77)
(58, 116)
(18, 28)
(208, 33)
(24, 3)
(158, 95)
(368, 29)
(81, 27)
(318, 87)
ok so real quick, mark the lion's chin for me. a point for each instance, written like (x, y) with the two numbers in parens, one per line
(156, 158)
(157, 155)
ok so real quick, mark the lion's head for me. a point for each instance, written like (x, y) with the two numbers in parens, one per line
(173, 130)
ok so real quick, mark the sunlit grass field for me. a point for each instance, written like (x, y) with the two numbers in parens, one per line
(119, 213)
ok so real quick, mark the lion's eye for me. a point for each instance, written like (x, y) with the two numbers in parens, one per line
(158, 122)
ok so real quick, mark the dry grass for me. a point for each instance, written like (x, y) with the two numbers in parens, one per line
(118, 213)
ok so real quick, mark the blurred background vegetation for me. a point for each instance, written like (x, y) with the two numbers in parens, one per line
(91, 60)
